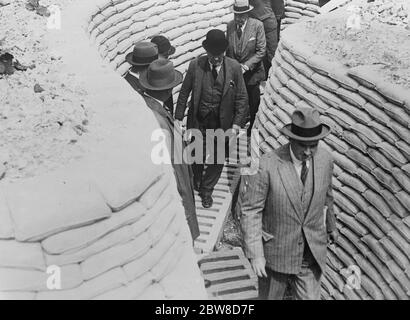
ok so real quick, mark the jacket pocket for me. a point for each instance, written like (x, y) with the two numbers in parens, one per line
(266, 236)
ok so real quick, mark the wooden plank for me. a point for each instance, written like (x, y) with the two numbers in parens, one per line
(244, 295)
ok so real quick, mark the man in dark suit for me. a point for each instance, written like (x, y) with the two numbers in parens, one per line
(278, 7)
(263, 12)
(165, 50)
(143, 54)
(157, 82)
(287, 211)
(247, 45)
(219, 101)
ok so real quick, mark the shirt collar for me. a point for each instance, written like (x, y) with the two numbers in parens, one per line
(244, 25)
(136, 75)
(217, 68)
(159, 101)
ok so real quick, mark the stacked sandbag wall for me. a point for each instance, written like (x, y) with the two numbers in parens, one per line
(109, 224)
(116, 25)
(299, 9)
(370, 143)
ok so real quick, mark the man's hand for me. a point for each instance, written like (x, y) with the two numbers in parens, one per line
(244, 68)
(333, 236)
(258, 265)
(236, 129)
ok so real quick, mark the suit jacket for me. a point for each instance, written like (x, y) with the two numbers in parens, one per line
(273, 222)
(134, 82)
(182, 171)
(234, 106)
(278, 7)
(249, 50)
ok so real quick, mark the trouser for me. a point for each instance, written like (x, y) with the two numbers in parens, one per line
(209, 178)
(271, 34)
(304, 285)
(254, 96)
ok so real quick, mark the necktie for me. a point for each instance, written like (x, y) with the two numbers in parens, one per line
(214, 72)
(304, 172)
(239, 32)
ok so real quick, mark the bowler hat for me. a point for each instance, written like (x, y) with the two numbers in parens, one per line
(241, 6)
(306, 126)
(215, 42)
(160, 75)
(163, 44)
(143, 54)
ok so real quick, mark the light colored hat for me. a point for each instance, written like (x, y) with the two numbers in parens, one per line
(160, 75)
(241, 6)
(306, 126)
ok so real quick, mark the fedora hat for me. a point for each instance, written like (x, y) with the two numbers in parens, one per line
(306, 126)
(160, 75)
(163, 44)
(215, 42)
(241, 6)
(143, 54)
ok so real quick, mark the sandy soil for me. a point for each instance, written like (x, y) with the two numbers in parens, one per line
(39, 130)
(375, 43)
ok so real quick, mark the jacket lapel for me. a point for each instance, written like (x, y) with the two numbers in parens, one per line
(245, 36)
(290, 180)
(318, 175)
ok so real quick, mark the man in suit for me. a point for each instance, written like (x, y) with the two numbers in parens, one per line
(143, 54)
(219, 101)
(247, 45)
(287, 211)
(278, 7)
(165, 50)
(264, 13)
(157, 82)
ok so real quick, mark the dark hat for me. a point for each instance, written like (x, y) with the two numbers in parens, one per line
(143, 54)
(163, 44)
(241, 6)
(215, 42)
(160, 75)
(306, 126)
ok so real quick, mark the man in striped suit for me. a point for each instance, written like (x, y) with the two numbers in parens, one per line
(287, 211)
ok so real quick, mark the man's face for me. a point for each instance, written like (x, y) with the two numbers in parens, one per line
(304, 150)
(215, 60)
(240, 19)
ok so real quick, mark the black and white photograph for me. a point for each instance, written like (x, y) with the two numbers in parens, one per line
(214, 153)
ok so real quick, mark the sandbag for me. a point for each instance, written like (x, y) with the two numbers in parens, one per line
(324, 82)
(346, 245)
(346, 205)
(13, 279)
(378, 202)
(376, 113)
(61, 200)
(355, 197)
(110, 280)
(338, 73)
(315, 102)
(288, 57)
(384, 132)
(380, 266)
(361, 159)
(392, 153)
(288, 95)
(401, 131)
(334, 261)
(337, 171)
(398, 290)
(366, 134)
(400, 240)
(303, 69)
(282, 76)
(319, 64)
(296, 89)
(393, 203)
(85, 236)
(14, 254)
(368, 179)
(342, 255)
(341, 117)
(398, 257)
(397, 113)
(380, 159)
(289, 70)
(335, 279)
(338, 144)
(354, 141)
(387, 180)
(356, 113)
(330, 98)
(6, 225)
(353, 182)
(379, 220)
(365, 75)
(401, 228)
(307, 84)
(354, 239)
(365, 220)
(371, 288)
(405, 149)
(404, 198)
(401, 178)
(344, 162)
(368, 269)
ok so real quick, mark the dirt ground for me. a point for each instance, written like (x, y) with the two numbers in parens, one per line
(43, 113)
(377, 42)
